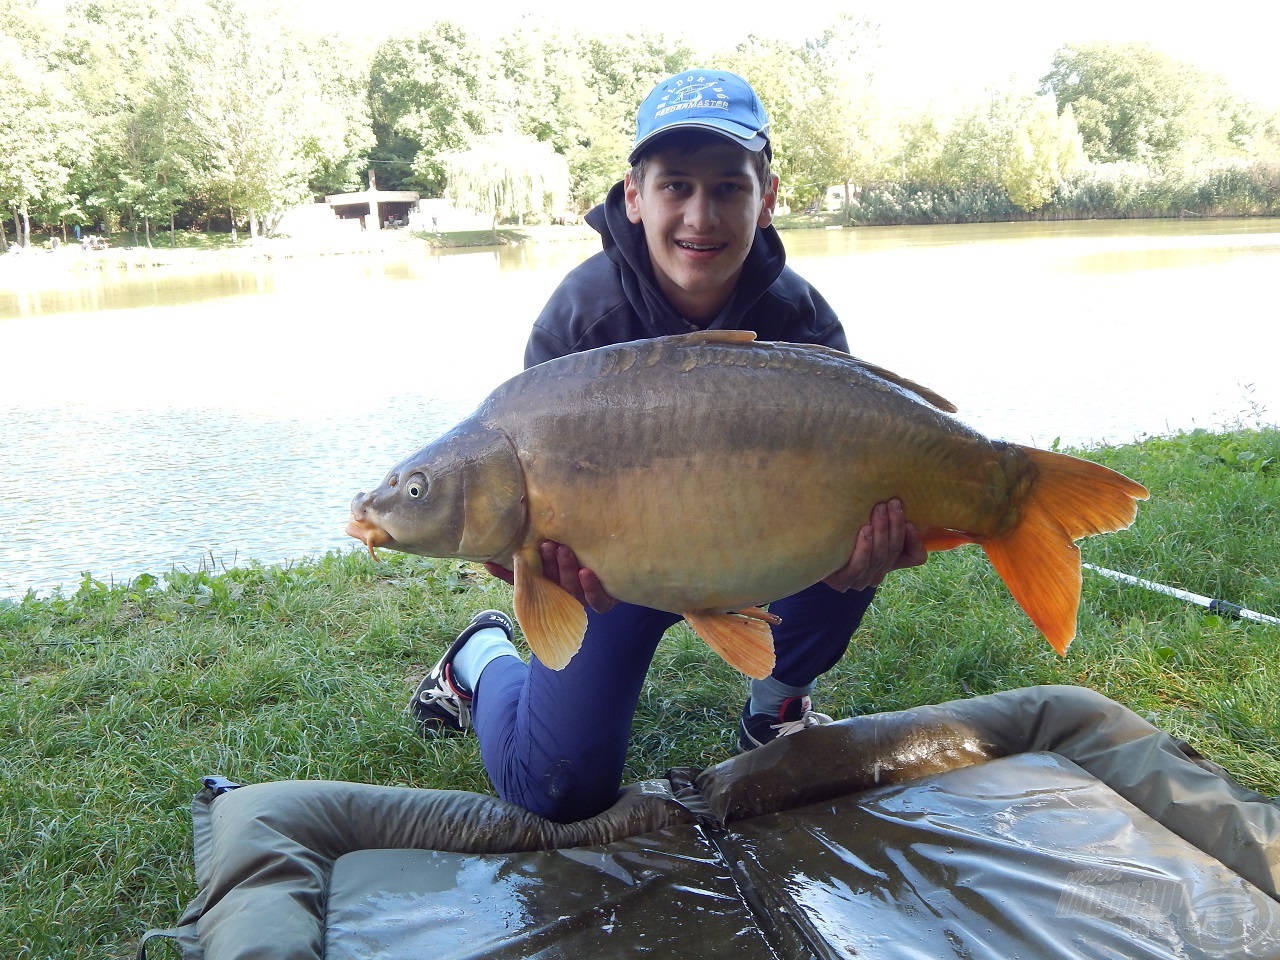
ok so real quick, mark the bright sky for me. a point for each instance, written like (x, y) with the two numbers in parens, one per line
(929, 48)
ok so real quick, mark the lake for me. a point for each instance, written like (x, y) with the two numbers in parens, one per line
(175, 418)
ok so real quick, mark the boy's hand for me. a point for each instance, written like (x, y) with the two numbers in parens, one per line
(560, 565)
(887, 542)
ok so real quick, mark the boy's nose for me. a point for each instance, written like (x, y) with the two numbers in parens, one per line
(700, 211)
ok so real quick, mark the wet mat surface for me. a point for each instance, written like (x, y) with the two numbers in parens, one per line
(1047, 822)
(663, 895)
(1026, 856)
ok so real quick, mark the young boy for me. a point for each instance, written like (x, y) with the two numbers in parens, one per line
(688, 245)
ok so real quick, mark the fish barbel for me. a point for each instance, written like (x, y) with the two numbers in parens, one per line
(708, 473)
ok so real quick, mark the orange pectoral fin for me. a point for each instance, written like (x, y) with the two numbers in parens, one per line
(744, 640)
(553, 620)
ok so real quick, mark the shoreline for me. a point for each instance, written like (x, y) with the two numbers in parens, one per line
(71, 258)
(19, 267)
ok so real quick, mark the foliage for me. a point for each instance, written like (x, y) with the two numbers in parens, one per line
(258, 114)
(425, 95)
(138, 113)
(508, 177)
(42, 132)
(1134, 103)
(1045, 153)
(579, 94)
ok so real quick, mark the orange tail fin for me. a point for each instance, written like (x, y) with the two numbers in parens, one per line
(1038, 560)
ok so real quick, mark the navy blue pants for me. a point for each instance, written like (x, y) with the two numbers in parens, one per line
(555, 742)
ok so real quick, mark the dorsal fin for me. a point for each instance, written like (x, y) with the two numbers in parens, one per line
(715, 336)
(924, 393)
(749, 336)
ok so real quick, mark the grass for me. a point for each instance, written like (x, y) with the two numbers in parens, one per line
(119, 698)
(504, 236)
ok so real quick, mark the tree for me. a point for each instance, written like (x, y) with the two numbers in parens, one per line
(827, 124)
(1132, 102)
(507, 176)
(41, 133)
(258, 110)
(852, 137)
(338, 142)
(425, 99)
(1046, 150)
(111, 53)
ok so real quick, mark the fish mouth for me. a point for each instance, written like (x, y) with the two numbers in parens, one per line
(368, 533)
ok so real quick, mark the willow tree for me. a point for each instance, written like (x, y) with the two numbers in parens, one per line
(507, 177)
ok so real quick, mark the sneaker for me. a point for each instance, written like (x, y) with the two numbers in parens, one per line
(757, 729)
(442, 701)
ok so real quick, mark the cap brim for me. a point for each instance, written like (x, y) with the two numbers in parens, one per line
(744, 137)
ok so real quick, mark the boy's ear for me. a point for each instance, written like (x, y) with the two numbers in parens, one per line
(767, 203)
(631, 194)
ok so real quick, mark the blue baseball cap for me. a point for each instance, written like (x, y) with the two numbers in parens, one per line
(714, 100)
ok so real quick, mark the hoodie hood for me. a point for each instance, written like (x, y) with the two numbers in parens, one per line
(624, 244)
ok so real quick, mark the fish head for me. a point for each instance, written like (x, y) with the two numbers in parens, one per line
(460, 496)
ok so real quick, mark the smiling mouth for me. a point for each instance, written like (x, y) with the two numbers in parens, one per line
(700, 247)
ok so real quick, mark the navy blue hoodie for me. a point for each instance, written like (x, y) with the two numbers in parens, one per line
(613, 297)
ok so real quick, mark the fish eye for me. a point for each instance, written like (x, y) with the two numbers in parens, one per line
(417, 487)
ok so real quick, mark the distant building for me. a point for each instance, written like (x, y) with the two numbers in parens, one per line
(374, 208)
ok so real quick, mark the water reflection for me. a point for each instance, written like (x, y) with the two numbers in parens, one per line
(165, 418)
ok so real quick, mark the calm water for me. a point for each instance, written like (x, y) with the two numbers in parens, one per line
(160, 419)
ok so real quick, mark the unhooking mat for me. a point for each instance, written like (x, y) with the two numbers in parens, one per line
(1048, 822)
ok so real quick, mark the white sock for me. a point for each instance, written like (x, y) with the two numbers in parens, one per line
(481, 649)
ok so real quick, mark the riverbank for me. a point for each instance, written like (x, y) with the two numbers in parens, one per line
(121, 697)
(213, 250)
(44, 264)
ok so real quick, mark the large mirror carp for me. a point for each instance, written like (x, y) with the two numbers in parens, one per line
(709, 473)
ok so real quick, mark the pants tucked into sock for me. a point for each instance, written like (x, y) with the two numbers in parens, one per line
(555, 742)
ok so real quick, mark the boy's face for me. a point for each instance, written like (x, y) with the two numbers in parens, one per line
(700, 208)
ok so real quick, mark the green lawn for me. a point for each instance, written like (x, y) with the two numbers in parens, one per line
(120, 698)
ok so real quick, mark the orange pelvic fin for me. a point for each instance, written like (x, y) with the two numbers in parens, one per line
(552, 619)
(744, 640)
(937, 538)
(1038, 560)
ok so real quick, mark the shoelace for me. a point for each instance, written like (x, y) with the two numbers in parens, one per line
(810, 718)
(451, 703)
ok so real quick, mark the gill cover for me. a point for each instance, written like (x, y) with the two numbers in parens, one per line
(473, 506)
